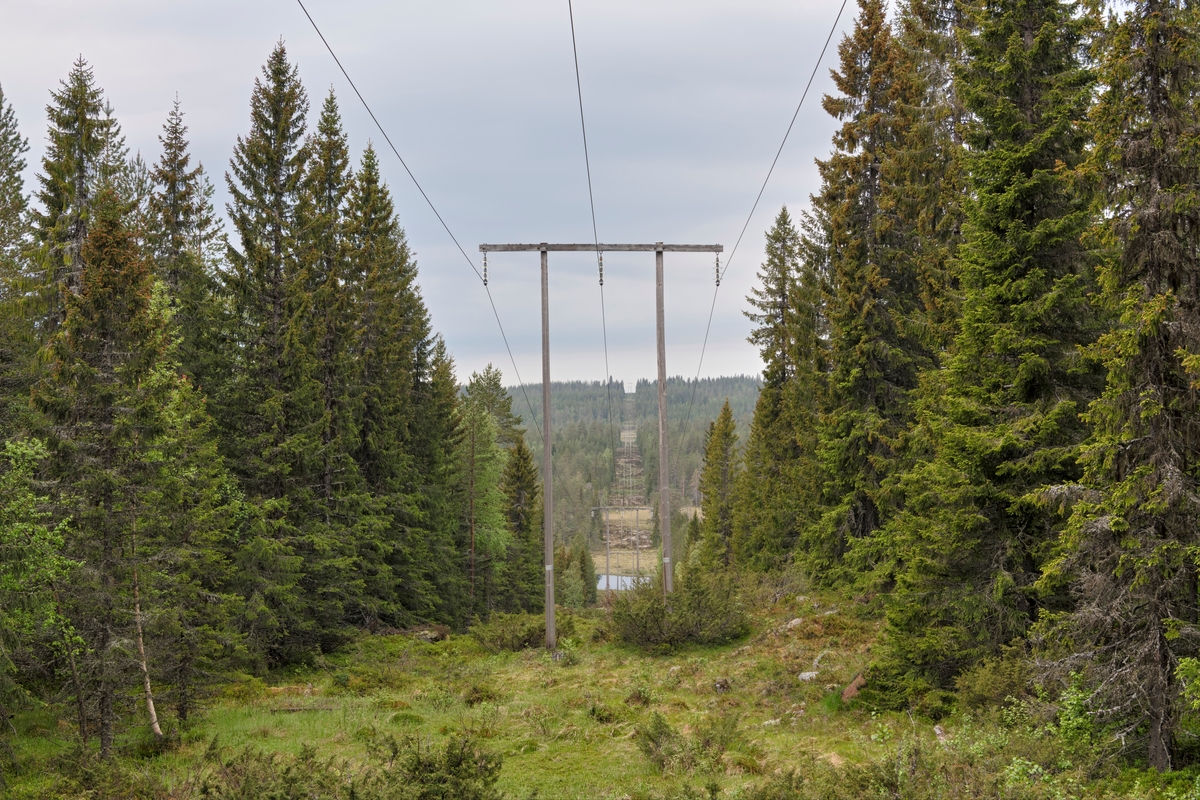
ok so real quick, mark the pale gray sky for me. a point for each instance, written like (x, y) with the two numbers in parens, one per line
(686, 103)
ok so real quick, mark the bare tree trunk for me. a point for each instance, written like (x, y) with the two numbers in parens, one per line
(137, 616)
(141, 641)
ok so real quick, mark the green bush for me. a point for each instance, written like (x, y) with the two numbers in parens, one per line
(993, 681)
(400, 769)
(511, 633)
(704, 609)
(701, 750)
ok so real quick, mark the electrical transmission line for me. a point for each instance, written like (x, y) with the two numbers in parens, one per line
(432, 208)
(753, 208)
(595, 236)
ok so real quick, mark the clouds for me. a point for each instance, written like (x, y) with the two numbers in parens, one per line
(685, 101)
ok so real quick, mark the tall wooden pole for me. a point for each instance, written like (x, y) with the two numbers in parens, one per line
(664, 478)
(607, 570)
(547, 463)
(664, 483)
(637, 542)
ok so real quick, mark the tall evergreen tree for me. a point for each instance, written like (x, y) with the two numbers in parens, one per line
(108, 395)
(777, 484)
(1002, 419)
(392, 351)
(13, 202)
(1130, 553)
(85, 150)
(484, 534)
(15, 336)
(436, 449)
(183, 237)
(269, 405)
(873, 295)
(349, 534)
(521, 585)
(718, 480)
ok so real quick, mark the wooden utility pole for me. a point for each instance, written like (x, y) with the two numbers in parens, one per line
(547, 456)
(664, 485)
(664, 472)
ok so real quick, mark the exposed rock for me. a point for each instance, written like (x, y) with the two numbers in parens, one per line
(796, 623)
(808, 676)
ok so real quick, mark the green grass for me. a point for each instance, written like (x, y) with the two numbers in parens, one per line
(564, 730)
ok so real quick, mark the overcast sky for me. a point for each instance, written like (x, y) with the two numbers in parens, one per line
(686, 103)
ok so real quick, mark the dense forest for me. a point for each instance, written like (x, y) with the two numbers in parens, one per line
(981, 347)
(230, 449)
(233, 442)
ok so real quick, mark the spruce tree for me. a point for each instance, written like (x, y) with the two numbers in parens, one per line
(188, 530)
(392, 352)
(105, 393)
(436, 448)
(16, 336)
(776, 491)
(268, 406)
(349, 531)
(13, 202)
(1002, 419)
(718, 480)
(484, 536)
(874, 352)
(85, 150)
(1129, 554)
(521, 585)
(183, 236)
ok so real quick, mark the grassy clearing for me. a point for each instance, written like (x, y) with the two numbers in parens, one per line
(580, 726)
(627, 562)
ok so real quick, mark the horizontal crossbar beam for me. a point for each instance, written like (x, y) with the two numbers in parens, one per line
(658, 247)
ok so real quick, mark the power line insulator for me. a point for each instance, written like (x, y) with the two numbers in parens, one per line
(601, 260)
(485, 268)
(718, 269)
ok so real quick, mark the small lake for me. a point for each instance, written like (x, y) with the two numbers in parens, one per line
(617, 582)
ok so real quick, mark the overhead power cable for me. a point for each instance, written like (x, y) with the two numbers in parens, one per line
(753, 208)
(595, 236)
(432, 208)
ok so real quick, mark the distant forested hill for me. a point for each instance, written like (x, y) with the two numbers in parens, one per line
(583, 438)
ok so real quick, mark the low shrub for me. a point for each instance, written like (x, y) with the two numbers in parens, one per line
(477, 694)
(511, 633)
(704, 609)
(400, 769)
(701, 750)
(993, 681)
